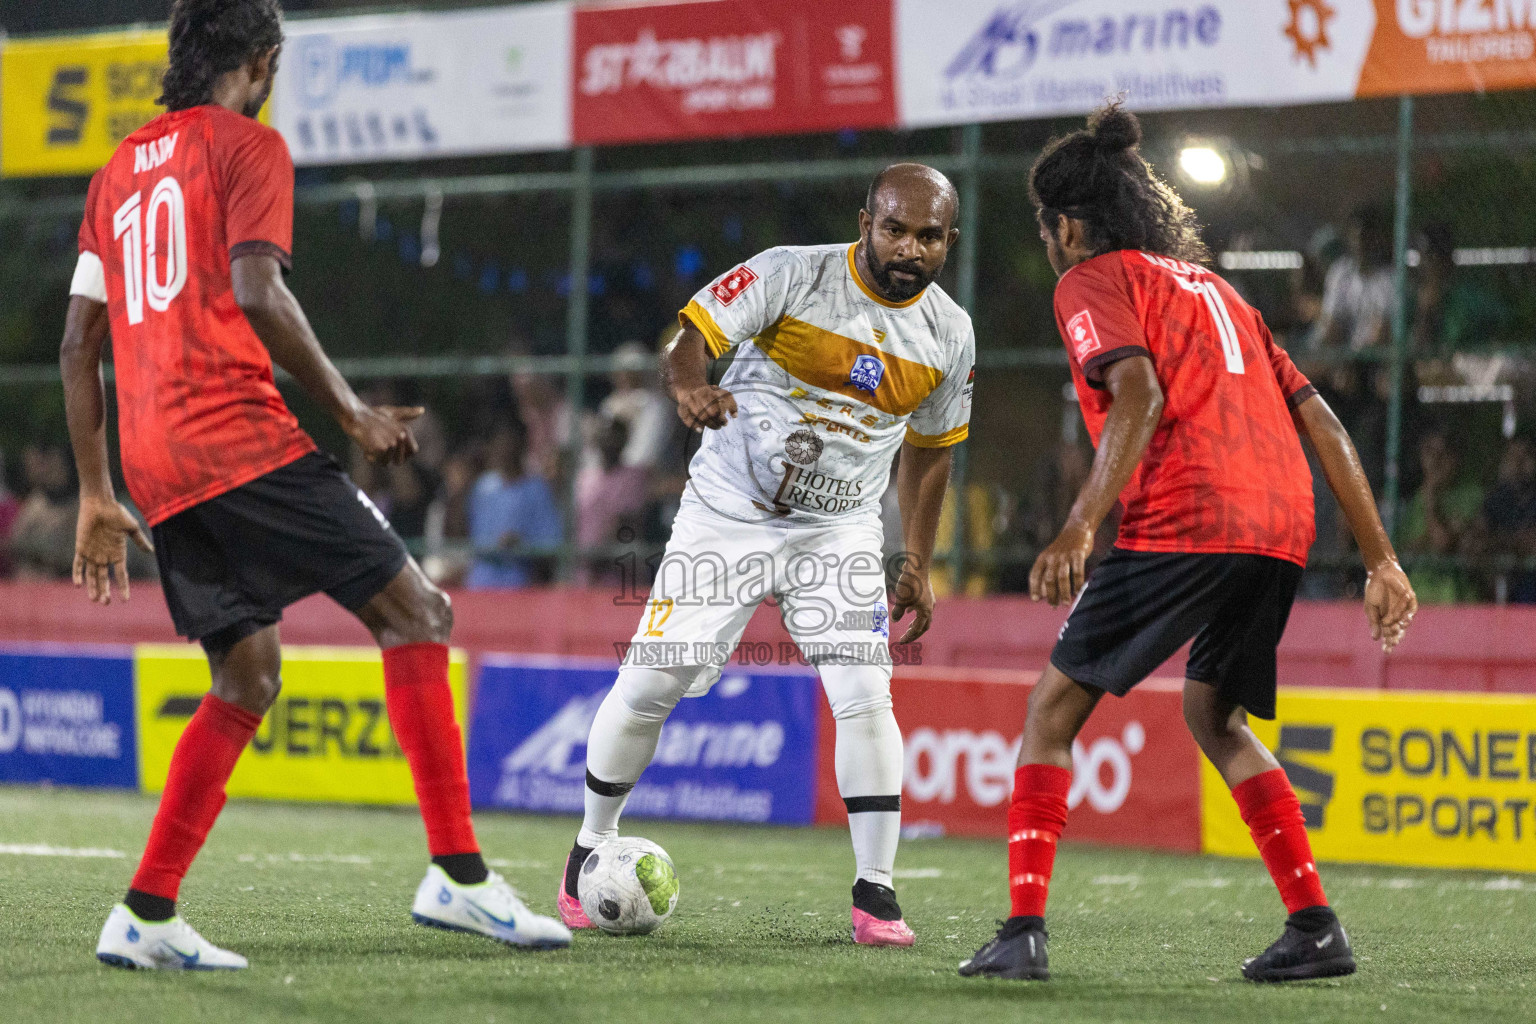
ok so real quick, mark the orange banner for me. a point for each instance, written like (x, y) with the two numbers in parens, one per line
(1429, 46)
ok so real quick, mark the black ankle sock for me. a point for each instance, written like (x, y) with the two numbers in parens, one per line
(464, 868)
(1312, 919)
(1019, 924)
(573, 865)
(149, 908)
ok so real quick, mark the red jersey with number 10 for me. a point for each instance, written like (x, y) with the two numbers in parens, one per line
(1224, 471)
(198, 413)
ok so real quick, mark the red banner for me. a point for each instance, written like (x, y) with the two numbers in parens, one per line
(1136, 779)
(731, 67)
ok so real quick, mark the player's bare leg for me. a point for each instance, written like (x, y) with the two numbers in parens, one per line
(1058, 709)
(144, 930)
(412, 619)
(1314, 944)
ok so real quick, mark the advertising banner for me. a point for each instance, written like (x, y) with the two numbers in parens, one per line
(1423, 779)
(1423, 46)
(746, 751)
(1136, 782)
(408, 86)
(652, 72)
(326, 739)
(67, 101)
(987, 60)
(66, 716)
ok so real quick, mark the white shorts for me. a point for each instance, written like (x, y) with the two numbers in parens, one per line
(829, 582)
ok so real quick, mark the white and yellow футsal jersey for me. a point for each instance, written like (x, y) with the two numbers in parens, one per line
(833, 380)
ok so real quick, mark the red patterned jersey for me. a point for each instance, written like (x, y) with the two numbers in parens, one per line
(1224, 471)
(198, 413)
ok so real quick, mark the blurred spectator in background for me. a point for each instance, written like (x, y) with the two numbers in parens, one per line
(1356, 311)
(610, 497)
(447, 554)
(637, 403)
(510, 507)
(1439, 519)
(10, 508)
(1508, 523)
(547, 422)
(43, 535)
(407, 499)
(1451, 310)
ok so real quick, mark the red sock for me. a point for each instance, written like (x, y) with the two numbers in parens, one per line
(421, 713)
(194, 793)
(1035, 820)
(1273, 815)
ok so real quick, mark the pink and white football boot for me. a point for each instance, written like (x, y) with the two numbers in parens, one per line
(571, 913)
(877, 919)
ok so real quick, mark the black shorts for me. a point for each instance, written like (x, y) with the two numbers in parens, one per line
(1140, 607)
(238, 559)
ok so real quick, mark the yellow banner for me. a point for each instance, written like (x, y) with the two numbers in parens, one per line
(67, 101)
(326, 739)
(1422, 779)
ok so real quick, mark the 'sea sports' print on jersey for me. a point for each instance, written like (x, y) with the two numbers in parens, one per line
(867, 373)
(1085, 340)
(733, 284)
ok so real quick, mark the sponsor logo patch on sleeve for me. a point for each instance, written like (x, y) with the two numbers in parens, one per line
(1084, 339)
(728, 288)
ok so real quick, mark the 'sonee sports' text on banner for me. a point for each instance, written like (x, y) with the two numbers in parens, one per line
(409, 86)
(67, 101)
(327, 738)
(1423, 779)
(652, 72)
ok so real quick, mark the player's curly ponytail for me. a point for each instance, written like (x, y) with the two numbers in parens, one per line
(1096, 175)
(210, 37)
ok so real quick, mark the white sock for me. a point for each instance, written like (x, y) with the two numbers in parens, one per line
(622, 742)
(868, 761)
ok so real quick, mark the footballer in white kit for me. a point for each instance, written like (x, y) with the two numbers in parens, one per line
(843, 354)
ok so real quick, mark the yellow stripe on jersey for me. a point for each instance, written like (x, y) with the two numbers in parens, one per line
(944, 440)
(822, 359)
(696, 315)
(869, 293)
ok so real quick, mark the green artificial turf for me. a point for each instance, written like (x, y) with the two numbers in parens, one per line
(318, 897)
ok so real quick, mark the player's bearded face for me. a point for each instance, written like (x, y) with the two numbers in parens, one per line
(898, 276)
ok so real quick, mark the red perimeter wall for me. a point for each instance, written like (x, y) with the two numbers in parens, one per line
(1476, 647)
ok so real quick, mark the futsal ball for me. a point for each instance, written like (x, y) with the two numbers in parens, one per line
(628, 886)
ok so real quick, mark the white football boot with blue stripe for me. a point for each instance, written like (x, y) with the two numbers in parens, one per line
(489, 908)
(170, 945)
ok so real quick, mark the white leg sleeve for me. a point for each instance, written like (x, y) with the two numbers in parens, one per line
(869, 763)
(622, 742)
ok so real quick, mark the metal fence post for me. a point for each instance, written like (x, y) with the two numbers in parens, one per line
(965, 294)
(576, 338)
(1400, 325)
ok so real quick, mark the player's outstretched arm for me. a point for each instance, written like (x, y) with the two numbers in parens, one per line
(922, 476)
(685, 369)
(1389, 598)
(1137, 405)
(103, 524)
(382, 432)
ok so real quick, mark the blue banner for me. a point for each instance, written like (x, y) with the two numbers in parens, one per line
(746, 751)
(66, 716)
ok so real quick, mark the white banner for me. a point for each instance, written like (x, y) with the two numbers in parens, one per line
(403, 87)
(990, 60)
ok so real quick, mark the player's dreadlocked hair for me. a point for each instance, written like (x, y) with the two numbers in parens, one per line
(1096, 175)
(210, 37)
